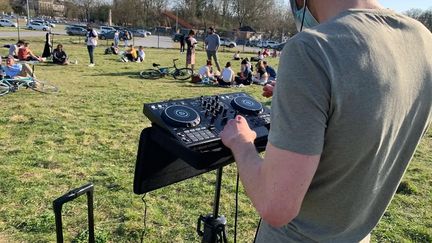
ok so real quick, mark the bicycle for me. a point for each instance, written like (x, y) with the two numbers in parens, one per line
(14, 84)
(160, 72)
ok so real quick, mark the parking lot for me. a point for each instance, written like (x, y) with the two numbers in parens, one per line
(150, 41)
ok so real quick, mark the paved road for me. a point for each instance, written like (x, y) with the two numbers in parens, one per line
(151, 41)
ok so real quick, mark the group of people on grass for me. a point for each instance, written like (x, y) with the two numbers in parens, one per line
(226, 77)
(19, 54)
(22, 52)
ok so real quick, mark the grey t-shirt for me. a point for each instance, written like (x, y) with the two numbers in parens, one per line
(358, 90)
(212, 42)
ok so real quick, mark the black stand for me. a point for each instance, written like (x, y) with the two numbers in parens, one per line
(70, 196)
(214, 225)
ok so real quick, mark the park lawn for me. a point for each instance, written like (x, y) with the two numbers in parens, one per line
(89, 132)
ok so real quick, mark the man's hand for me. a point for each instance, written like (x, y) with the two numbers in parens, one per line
(268, 89)
(236, 133)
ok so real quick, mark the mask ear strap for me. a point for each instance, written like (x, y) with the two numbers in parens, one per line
(304, 13)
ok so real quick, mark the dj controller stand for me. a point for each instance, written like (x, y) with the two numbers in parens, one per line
(184, 142)
(214, 225)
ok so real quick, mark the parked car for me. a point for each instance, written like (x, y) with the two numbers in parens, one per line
(280, 46)
(141, 32)
(267, 44)
(7, 23)
(76, 30)
(38, 26)
(252, 43)
(227, 42)
(44, 22)
(176, 37)
(105, 29)
(110, 35)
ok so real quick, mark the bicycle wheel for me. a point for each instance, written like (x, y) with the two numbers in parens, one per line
(42, 86)
(150, 74)
(4, 89)
(182, 73)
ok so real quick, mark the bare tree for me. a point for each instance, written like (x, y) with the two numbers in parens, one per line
(424, 17)
(5, 6)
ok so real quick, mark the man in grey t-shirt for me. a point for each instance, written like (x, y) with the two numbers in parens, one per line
(212, 42)
(352, 101)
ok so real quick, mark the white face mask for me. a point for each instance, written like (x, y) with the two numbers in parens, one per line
(303, 17)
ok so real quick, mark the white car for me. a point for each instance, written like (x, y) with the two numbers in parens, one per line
(268, 44)
(44, 22)
(38, 26)
(227, 42)
(141, 33)
(7, 23)
(105, 29)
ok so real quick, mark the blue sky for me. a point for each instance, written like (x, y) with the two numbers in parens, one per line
(403, 5)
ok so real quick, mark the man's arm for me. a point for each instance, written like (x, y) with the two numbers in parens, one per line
(276, 184)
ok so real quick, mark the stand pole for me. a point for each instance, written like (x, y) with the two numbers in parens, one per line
(217, 192)
(214, 225)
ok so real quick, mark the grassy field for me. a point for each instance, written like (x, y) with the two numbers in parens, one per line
(89, 133)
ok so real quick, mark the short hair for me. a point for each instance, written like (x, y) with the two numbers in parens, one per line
(228, 64)
(264, 62)
(244, 61)
(211, 28)
(191, 32)
(60, 45)
(209, 63)
(20, 42)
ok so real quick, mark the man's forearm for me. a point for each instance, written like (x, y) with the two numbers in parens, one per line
(249, 166)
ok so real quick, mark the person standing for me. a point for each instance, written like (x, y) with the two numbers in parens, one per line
(212, 43)
(190, 51)
(352, 101)
(91, 41)
(48, 45)
(116, 38)
(182, 43)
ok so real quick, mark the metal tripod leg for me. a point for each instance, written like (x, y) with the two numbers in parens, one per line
(214, 225)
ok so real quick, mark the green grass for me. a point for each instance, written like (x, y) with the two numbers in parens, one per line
(89, 133)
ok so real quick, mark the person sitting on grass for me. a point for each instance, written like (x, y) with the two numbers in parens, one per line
(259, 57)
(236, 56)
(270, 71)
(266, 52)
(113, 49)
(131, 54)
(245, 75)
(261, 76)
(60, 56)
(16, 70)
(227, 75)
(141, 54)
(25, 54)
(13, 48)
(206, 72)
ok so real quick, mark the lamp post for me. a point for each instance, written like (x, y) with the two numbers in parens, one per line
(28, 11)
(176, 20)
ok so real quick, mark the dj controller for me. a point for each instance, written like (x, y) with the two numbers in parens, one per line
(197, 122)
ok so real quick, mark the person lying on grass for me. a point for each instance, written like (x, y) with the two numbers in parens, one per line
(15, 70)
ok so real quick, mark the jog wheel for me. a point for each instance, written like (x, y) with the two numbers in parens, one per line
(246, 105)
(181, 116)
